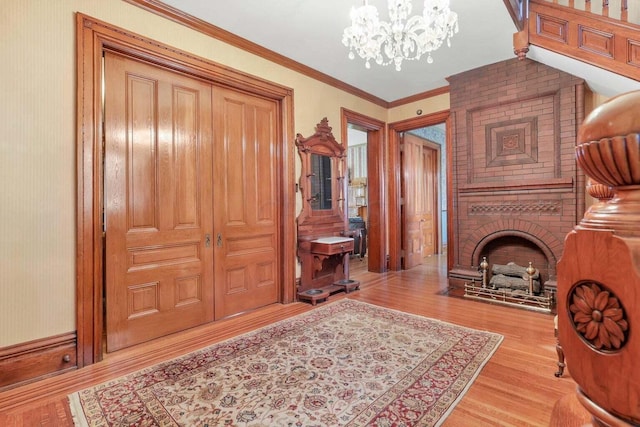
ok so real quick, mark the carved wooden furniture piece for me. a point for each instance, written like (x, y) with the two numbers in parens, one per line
(324, 243)
(599, 273)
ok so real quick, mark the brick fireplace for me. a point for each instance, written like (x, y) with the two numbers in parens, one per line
(516, 189)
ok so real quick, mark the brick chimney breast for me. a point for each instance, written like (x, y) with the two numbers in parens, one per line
(516, 189)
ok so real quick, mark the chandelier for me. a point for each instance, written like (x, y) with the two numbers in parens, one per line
(403, 37)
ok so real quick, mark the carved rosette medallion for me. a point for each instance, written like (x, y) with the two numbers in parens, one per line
(598, 316)
(510, 142)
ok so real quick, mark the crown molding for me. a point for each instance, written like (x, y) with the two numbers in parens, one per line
(419, 96)
(190, 21)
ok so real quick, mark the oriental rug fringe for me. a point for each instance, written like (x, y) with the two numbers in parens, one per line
(345, 363)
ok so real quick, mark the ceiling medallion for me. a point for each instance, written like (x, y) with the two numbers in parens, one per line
(598, 316)
(401, 38)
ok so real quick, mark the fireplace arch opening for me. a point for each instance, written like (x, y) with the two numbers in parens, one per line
(505, 242)
(516, 269)
(512, 246)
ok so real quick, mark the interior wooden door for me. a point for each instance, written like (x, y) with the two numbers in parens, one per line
(246, 198)
(412, 187)
(158, 201)
(419, 166)
(429, 210)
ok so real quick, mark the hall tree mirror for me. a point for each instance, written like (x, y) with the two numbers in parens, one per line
(322, 181)
(321, 197)
(324, 241)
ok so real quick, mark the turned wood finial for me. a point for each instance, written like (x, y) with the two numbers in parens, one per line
(521, 44)
(609, 142)
(608, 151)
(618, 116)
(599, 272)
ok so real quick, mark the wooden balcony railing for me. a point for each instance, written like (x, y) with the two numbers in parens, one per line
(621, 10)
(604, 33)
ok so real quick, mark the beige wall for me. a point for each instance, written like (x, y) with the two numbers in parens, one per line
(37, 166)
(37, 145)
(429, 105)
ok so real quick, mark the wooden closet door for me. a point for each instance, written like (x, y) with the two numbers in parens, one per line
(158, 202)
(246, 212)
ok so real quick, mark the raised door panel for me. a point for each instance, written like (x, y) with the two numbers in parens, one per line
(247, 268)
(158, 202)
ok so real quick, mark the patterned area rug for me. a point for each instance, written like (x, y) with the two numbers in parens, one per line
(345, 363)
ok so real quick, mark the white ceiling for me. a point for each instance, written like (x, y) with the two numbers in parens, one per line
(310, 32)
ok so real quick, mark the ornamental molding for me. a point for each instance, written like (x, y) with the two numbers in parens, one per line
(542, 207)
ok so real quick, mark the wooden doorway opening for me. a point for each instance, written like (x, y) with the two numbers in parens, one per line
(376, 215)
(396, 131)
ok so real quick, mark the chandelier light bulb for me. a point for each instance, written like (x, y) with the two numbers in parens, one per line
(404, 37)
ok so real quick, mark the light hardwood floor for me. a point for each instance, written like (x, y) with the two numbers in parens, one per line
(516, 388)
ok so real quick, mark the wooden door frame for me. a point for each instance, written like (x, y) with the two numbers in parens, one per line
(394, 178)
(93, 37)
(376, 213)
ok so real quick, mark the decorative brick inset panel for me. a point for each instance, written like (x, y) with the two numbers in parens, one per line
(512, 142)
(498, 147)
(546, 207)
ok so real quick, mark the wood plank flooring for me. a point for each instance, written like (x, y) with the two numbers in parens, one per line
(516, 388)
